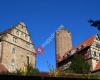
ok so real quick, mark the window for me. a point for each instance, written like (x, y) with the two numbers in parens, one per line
(6, 36)
(13, 62)
(26, 36)
(90, 53)
(86, 56)
(0, 40)
(27, 45)
(14, 39)
(97, 45)
(99, 55)
(13, 50)
(17, 32)
(21, 33)
(22, 26)
(27, 60)
(94, 54)
(84, 45)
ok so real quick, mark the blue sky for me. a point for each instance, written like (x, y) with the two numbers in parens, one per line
(43, 17)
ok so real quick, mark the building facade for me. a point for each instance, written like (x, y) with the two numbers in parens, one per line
(16, 48)
(90, 49)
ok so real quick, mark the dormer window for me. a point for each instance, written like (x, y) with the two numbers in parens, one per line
(80, 48)
(97, 38)
(83, 46)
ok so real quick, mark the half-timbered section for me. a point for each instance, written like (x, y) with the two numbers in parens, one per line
(90, 49)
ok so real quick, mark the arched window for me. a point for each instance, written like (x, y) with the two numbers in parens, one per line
(13, 62)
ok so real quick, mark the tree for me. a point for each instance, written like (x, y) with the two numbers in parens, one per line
(31, 71)
(95, 23)
(79, 65)
(27, 71)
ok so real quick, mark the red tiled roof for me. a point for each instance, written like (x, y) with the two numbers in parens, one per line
(87, 42)
(3, 68)
(6, 31)
(97, 66)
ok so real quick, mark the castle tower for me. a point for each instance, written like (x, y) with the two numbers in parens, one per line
(63, 42)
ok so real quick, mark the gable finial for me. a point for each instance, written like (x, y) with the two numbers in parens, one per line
(22, 23)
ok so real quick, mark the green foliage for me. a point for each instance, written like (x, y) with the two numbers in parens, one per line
(17, 72)
(94, 76)
(79, 65)
(27, 71)
(31, 70)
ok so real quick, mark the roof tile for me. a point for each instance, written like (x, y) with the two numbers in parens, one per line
(87, 42)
